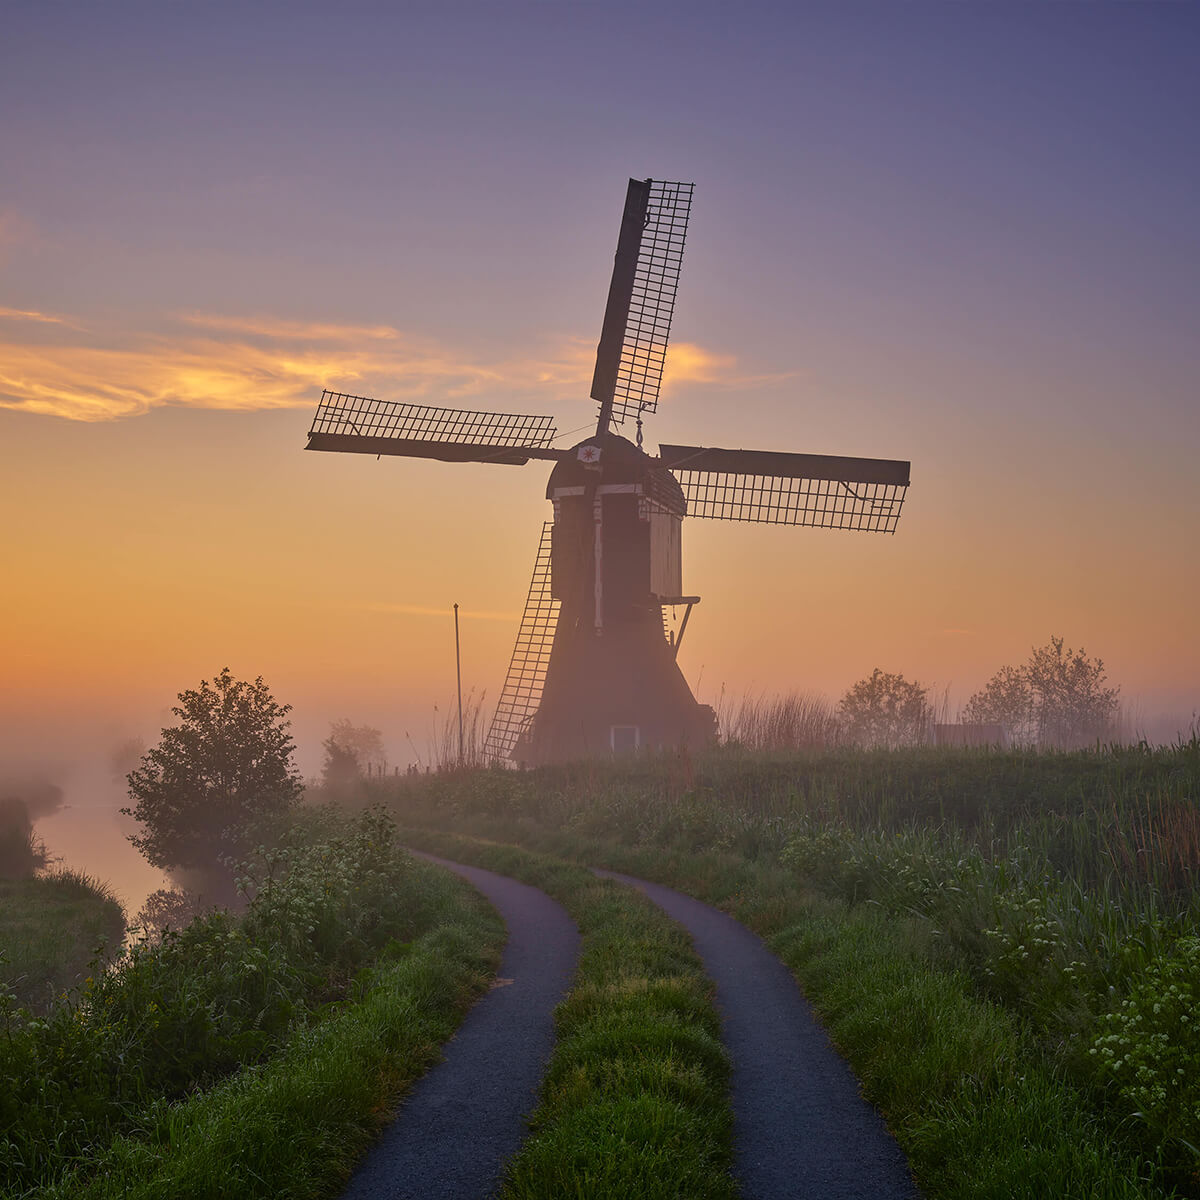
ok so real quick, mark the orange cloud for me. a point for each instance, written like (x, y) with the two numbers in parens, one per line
(688, 363)
(271, 327)
(28, 315)
(248, 363)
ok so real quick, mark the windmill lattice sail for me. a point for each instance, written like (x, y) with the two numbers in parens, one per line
(522, 692)
(595, 668)
(359, 424)
(821, 491)
(641, 299)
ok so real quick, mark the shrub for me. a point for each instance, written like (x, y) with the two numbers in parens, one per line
(1149, 1048)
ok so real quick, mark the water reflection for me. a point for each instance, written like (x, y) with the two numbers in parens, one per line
(90, 834)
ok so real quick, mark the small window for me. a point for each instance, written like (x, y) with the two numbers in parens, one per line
(625, 738)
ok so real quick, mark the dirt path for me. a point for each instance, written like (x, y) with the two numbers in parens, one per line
(801, 1129)
(464, 1119)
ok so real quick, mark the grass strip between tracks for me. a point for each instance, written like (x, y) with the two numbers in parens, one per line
(295, 1125)
(966, 1093)
(635, 1099)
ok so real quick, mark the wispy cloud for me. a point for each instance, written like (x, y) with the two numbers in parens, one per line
(310, 331)
(688, 363)
(23, 314)
(262, 362)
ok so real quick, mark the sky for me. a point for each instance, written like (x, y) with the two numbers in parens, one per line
(958, 233)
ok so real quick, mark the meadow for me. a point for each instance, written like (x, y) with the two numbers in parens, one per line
(1003, 943)
(173, 1071)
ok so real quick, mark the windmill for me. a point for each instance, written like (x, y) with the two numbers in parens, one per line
(594, 669)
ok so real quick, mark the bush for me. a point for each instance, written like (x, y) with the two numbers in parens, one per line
(1149, 1048)
(172, 1017)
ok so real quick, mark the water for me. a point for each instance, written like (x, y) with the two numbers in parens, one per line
(89, 834)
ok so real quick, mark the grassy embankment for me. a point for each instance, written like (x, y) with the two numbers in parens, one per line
(1002, 944)
(634, 1102)
(256, 1055)
(51, 927)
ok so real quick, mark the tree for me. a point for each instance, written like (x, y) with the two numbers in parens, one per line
(1058, 697)
(886, 710)
(22, 852)
(224, 767)
(347, 744)
(1006, 699)
(166, 908)
(341, 769)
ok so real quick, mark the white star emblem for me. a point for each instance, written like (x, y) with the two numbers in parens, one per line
(589, 454)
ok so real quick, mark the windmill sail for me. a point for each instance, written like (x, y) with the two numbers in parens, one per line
(361, 425)
(522, 692)
(641, 299)
(765, 486)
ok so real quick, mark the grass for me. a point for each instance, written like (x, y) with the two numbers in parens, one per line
(52, 927)
(1048, 899)
(297, 1125)
(634, 1102)
(256, 1054)
(963, 1086)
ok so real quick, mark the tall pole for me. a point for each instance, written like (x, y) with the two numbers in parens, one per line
(458, 669)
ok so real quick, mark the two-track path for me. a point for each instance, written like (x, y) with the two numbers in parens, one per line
(801, 1128)
(802, 1131)
(465, 1118)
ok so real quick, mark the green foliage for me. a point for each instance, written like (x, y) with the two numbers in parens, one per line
(1056, 698)
(1036, 942)
(224, 767)
(166, 908)
(295, 1125)
(886, 710)
(172, 1018)
(1150, 1047)
(51, 927)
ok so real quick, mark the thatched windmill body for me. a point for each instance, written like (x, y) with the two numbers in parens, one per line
(594, 671)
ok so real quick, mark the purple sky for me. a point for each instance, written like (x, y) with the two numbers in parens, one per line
(961, 233)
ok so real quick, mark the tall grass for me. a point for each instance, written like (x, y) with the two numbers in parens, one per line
(446, 751)
(1064, 887)
(51, 927)
(792, 721)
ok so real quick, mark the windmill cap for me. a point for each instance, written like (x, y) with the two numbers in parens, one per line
(608, 458)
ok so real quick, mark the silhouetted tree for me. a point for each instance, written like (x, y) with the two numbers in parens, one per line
(362, 742)
(22, 853)
(1006, 699)
(341, 769)
(1058, 697)
(226, 766)
(886, 710)
(166, 908)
